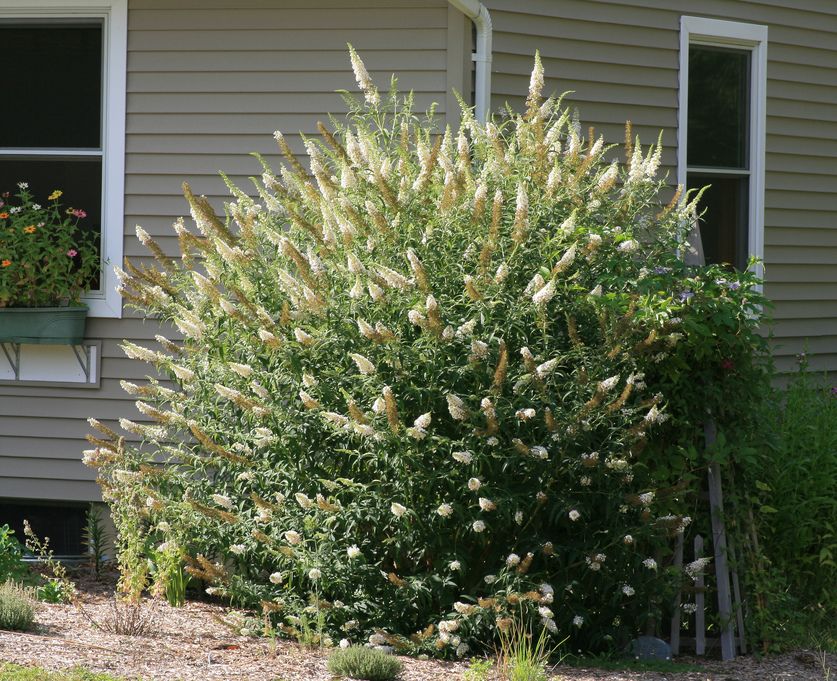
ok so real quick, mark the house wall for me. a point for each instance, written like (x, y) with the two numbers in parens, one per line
(208, 82)
(621, 58)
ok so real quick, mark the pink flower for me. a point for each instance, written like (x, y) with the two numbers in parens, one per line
(79, 213)
(72, 253)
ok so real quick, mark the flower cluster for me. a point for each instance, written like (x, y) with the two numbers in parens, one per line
(47, 257)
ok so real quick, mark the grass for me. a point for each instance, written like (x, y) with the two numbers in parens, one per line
(14, 672)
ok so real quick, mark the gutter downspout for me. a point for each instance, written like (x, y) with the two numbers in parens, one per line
(478, 13)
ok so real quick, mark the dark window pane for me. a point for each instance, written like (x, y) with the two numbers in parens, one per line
(723, 227)
(52, 84)
(62, 524)
(719, 99)
(80, 179)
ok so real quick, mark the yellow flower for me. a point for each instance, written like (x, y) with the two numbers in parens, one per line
(56, 194)
(30, 229)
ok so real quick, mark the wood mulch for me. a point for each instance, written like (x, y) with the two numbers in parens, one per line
(189, 644)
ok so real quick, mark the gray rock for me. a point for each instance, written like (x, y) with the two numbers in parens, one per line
(650, 648)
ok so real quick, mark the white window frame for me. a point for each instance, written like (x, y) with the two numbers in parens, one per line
(114, 16)
(742, 36)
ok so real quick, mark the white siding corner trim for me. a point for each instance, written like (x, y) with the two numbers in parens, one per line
(114, 15)
(739, 35)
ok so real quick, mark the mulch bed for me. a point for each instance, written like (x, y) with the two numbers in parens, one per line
(190, 644)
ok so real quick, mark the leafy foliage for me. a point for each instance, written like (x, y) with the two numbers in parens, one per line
(11, 556)
(443, 380)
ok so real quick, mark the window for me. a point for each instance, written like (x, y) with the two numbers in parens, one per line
(721, 133)
(62, 523)
(62, 124)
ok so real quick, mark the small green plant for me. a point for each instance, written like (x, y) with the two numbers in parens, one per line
(521, 656)
(167, 570)
(357, 662)
(478, 670)
(95, 538)
(17, 606)
(58, 588)
(11, 555)
(46, 257)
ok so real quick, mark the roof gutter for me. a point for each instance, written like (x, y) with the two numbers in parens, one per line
(478, 13)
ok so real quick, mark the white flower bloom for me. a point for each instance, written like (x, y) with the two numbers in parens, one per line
(184, 374)
(545, 294)
(539, 452)
(695, 568)
(628, 539)
(535, 284)
(293, 537)
(478, 526)
(628, 246)
(543, 611)
(302, 337)
(466, 329)
(423, 421)
(275, 578)
(416, 318)
(513, 560)
(479, 349)
(375, 291)
(474, 484)
(463, 608)
(238, 549)
(344, 643)
(492, 441)
(597, 291)
(628, 590)
(650, 563)
(646, 499)
(363, 364)
(379, 406)
(566, 260)
(314, 574)
(445, 510)
(308, 401)
(457, 407)
(303, 501)
(608, 384)
(487, 504)
(578, 620)
(574, 515)
(397, 509)
(501, 274)
(454, 566)
(518, 517)
(354, 264)
(525, 414)
(463, 457)
(222, 500)
(489, 579)
(353, 551)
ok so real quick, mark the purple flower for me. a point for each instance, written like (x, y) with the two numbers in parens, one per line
(686, 295)
(733, 286)
(834, 391)
(662, 270)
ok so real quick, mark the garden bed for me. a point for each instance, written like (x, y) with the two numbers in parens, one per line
(190, 644)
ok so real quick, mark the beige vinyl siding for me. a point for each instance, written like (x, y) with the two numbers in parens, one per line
(621, 57)
(208, 82)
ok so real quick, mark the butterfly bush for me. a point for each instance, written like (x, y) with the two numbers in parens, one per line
(411, 401)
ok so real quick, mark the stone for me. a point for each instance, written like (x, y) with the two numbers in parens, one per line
(650, 648)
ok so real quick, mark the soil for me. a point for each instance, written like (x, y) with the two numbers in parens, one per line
(190, 644)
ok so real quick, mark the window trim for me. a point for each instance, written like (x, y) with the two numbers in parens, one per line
(114, 15)
(739, 35)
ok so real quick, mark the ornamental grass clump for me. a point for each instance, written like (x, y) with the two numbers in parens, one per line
(17, 606)
(411, 402)
(369, 664)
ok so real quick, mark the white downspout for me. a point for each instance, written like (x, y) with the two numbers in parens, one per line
(478, 13)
